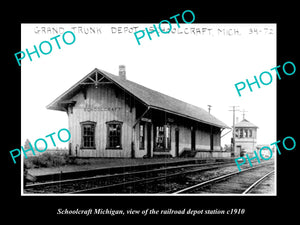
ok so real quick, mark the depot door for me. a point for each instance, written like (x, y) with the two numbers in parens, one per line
(148, 140)
(177, 142)
(193, 139)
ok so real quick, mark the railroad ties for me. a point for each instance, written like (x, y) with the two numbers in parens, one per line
(243, 182)
(194, 177)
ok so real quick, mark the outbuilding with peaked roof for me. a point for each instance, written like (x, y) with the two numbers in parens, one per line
(245, 138)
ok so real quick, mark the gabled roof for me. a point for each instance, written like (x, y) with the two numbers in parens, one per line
(245, 123)
(149, 97)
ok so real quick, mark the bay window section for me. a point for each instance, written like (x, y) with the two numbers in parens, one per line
(162, 137)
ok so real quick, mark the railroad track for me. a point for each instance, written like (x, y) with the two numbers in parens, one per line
(257, 183)
(159, 180)
(113, 183)
(236, 182)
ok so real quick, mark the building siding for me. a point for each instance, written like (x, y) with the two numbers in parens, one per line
(246, 145)
(102, 104)
(110, 103)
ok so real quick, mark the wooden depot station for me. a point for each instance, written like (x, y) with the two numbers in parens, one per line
(110, 116)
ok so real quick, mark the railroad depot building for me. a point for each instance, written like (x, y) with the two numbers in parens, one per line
(110, 116)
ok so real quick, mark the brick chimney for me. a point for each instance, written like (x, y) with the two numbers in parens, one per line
(122, 72)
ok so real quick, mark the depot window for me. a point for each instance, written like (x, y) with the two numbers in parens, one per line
(114, 134)
(250, 133)
(88, 134)
(142, 136)
(236, 133)
(241, 133)
(162, 137)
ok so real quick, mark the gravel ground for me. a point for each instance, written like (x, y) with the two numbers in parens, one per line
(95, 163)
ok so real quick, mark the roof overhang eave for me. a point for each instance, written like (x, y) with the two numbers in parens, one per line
(189, 117)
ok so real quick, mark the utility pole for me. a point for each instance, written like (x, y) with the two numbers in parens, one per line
(233, 128)
(209, 106)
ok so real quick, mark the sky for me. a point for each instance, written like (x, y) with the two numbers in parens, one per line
(196, 63)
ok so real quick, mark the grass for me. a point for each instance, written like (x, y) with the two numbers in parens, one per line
(47, 160)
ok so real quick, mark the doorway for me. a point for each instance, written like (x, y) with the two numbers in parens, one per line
(211, 139)
(148, 140)
(177, 142)
(193, 139)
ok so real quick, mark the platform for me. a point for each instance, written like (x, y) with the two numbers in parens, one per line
(110, 163)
